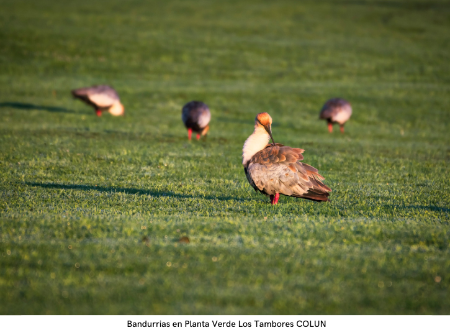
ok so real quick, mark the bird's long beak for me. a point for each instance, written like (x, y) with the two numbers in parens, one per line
(269, 130)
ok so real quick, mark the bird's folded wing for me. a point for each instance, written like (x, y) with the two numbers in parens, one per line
(102, 100)
(102, 96)
(277, 154)
(329, 111)
(278, 169)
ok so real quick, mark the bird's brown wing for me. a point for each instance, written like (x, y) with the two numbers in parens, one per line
(329, 110)
(196, 115)
(99, 96)
(278, 169)
(332, 107)
(271, 145)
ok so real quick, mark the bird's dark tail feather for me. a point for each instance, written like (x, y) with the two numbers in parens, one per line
(316, 198)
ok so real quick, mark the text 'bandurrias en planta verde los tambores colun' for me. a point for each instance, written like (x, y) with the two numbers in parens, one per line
(229, 324)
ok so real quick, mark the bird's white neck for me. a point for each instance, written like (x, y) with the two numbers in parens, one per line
(255, 142)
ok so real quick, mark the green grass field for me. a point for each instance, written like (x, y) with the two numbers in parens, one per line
(91, 209)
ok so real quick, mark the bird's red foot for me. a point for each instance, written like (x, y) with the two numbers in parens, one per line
(189, 133)
(98, 112)
(330, 127)
(274, 198)
(198, 136)
(342, 129)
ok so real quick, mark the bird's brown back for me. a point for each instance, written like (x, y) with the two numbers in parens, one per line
(277, 168)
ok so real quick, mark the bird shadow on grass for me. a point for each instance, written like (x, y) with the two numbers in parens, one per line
(29, 106)
(131, 191)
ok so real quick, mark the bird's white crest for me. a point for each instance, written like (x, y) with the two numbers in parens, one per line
(255, 142)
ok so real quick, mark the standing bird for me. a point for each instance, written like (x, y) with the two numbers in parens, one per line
(102, 98)
(336, 111)
(274, 169)
(196, 117)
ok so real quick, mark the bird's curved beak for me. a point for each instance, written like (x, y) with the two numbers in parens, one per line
(205, 130)
(269, 130)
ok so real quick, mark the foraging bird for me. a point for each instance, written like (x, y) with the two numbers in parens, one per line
(274, 169)
(102, 98)
(196, 117)
(336, 111)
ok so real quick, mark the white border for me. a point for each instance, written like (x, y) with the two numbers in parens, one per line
(241, 322)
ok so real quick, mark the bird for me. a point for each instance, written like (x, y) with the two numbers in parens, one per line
(274, 169)
(336, 110)
(102, 98)
(196, 117)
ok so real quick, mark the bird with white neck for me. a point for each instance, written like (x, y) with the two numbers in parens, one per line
(102, 98)
(275, 169)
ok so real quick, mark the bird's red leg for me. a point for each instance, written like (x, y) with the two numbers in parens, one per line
(342, 128)
(198, 136)
(274, 198)
(330, 127)
(277, 197)
(189, 133)
(98, 112)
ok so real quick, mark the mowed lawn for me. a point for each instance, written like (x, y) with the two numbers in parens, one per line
(92, 209)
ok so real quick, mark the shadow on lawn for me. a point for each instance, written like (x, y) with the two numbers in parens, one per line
(135, 191)
(29, 106)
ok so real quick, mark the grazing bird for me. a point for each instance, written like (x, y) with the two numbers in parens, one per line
(336, 111)
(196, 117)
(274, 169)
(102, 98)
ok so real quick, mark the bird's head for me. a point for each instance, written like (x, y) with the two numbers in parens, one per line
(264, 120)
(117, 109)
